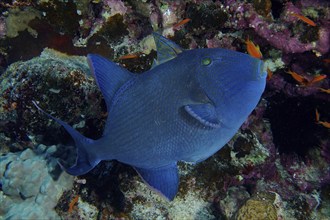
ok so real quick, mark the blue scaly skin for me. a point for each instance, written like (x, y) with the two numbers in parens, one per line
(186, 108)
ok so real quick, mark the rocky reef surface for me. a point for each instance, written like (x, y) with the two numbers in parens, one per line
(276, 167)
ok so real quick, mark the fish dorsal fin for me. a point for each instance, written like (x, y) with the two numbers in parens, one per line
(204, 114)
(166, 49)
(165, 180)
(108, 76)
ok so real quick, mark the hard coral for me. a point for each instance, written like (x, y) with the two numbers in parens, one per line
(59, 74)
(259, 207)
(278, 34)
(29, 191)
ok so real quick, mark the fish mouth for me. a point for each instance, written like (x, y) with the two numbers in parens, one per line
(261, 72)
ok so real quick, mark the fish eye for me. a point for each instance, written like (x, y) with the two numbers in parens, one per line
(206, 61)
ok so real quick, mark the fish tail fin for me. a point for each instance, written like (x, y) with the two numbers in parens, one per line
(84, 161)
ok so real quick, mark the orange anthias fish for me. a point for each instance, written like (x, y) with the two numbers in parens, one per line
(73, 203)
(304, 19)
(300, 79)
(269, 74)
(323, 123)
(317, 79)
(129, 56)
(304, 81)
(181, 23)
(325, 90)
(253, 49)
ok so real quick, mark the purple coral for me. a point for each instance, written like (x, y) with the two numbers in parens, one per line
(116, 6)
(277, 33)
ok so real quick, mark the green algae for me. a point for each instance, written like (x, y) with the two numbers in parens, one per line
(18, 20)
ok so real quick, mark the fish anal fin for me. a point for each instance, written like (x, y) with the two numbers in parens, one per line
(81, 166)
(164, 180)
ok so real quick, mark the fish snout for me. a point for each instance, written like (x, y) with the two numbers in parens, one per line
(261, 71)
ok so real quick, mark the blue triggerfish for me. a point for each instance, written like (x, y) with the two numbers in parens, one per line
(185, 108)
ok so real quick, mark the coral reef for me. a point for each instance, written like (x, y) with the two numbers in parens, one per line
(23, 82)
(278, 163)
(31, 184)
(258, 207)
(235, 198)
(18, 20)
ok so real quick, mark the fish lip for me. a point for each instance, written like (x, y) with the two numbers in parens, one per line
(261, 72)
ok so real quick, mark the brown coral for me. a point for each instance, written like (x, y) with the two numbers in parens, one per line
(258, 208)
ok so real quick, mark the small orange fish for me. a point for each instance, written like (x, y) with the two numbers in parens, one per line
(269, 74)
(304, 19)
(253, 49)
(325, 90)
(317, 79)
(317, 115)
(326, 60)
(73, 203)
(304, 81)
(300, 79)
(181, 23)
(129, 56)
(323, 123)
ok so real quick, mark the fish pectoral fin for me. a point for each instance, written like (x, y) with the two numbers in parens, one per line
(204, 114)
(81, 167)
(165, 180)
